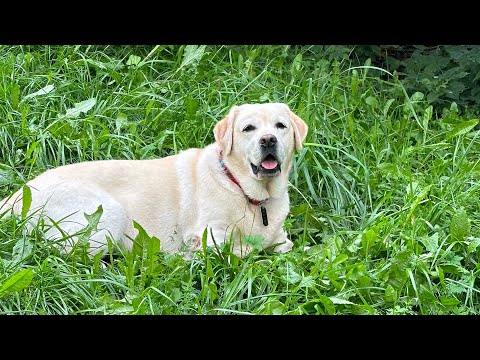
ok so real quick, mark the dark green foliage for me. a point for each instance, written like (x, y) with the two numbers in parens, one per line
(444, 73)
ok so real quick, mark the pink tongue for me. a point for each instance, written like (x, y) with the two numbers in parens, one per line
(269, 164)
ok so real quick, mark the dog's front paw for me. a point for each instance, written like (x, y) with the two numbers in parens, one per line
(283, 247)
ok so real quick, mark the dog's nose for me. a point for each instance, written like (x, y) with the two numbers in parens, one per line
(268, 140)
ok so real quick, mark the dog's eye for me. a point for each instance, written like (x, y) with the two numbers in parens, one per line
(249, 128)
(280, 126)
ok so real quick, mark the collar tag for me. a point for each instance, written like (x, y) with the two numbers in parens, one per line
(264, 215)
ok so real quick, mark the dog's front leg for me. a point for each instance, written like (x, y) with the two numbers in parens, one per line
(215, 237)
(281, 243)
(219, 236)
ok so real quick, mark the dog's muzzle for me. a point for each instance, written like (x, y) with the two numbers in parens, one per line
(269, 166)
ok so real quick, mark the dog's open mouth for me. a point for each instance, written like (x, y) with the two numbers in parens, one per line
(269, 166)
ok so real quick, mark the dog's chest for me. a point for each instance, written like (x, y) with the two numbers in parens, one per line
(266, 222)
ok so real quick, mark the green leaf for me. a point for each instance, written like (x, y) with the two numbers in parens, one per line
(441, 276)
(364, 281)
(121, 121)
(274, 307)
(322, 305)
(192, 54)
(455, 288)
(420, 194)
(26, 200)
(462, 128)
(255, 241)
(403, 259)
(307, 282)
(191, 108)
(140, 240)
(153, 247)
(316, 250)
(6, 176)
(213, 291)
(356, 272)
(291, 276)
(204, 239)
(16, 282)
(148, 107)
(81, 107)
(209, 270)
(388, 169)
(133, 60)
(395, 75)
(417, 96)
(472, 246)
(94, 218)
(459, 225)
(427, 116)
(299, 209)
(15, 90)
(454, 107)
(371, 101)
(354, 83)
(430, 242)
(449, 301)
(297, 63)
(351, 124)
(338, 301)
(328, 304)
(390, 294)
(387, 106)
(42, 91)
(96, 261)
(396, 275)
(122, 309)
(21, 250)
(92, 223)
(340, 258)
(368, 240)
(136, 303)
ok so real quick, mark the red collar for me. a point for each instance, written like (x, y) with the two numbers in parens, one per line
(235, 181)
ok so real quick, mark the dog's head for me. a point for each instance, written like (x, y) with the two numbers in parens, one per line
(262, 136)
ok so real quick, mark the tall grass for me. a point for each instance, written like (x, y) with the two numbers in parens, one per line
(385, 191)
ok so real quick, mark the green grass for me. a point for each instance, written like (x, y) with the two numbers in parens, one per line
(385, 190)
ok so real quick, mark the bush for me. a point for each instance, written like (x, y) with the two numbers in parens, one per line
(443, 73)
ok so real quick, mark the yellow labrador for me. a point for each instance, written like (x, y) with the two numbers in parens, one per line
(234, 187)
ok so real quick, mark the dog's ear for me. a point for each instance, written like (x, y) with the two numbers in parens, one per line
(300, 129)
(223, 131)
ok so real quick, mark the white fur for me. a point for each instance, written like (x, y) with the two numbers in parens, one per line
(175, 198)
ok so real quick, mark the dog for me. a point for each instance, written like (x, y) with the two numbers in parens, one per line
(234, 187)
